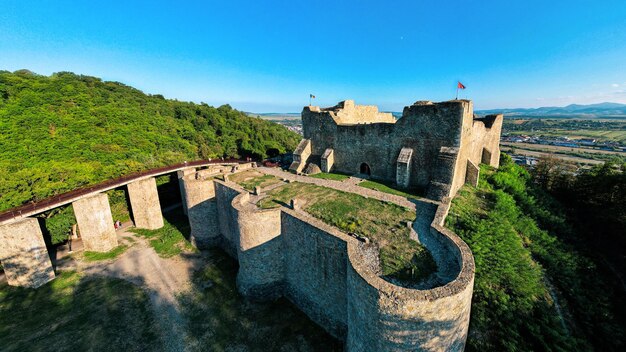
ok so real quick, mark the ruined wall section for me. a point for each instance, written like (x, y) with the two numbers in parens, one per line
(260, 249)
(201, 206)
(385, 317)
(348, 113)
(477, 135)
(224, 195)
(315, 270)
(424, 127)
(333, 278)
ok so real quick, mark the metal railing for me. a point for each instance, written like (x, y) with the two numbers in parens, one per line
(33, 208)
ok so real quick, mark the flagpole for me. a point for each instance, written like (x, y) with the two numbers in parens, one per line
(457, 91)
(309, 99)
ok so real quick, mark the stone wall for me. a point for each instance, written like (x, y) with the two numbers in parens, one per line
(180, 174)
(315, 270)
(201, 207)
(386, 317)
(260, 250)
(333, 278)
(328, 159)
(225, 192)
(425, 128)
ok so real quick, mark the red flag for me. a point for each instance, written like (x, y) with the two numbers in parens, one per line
(460, 86)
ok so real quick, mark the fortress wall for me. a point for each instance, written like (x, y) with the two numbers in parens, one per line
(260, 250)
(315, 270)
(385, 317)
(477, 134)
(180, 174)
(486, 135)
(424, 128)
(224, 195)
(351, 113)
(333, 278)
(201, 205)
(465, 148)
(319, 127)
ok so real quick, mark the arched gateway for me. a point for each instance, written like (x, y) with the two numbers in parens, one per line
(365, 169)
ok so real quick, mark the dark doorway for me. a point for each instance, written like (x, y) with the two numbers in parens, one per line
(365, 169)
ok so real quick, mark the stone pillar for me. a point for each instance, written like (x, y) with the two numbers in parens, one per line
(202, 209)
(95, 223)
(144, 202)
(23, 254)
(403, 168)
(471, 174)
(328, 159)
(182, 173)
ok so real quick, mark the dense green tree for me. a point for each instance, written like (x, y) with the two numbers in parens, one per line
(534, 288)
(65, 131)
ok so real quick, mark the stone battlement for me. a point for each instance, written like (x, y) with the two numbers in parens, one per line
(348, 113)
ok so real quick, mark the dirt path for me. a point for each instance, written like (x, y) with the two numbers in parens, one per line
(349, 185)
(163, 279)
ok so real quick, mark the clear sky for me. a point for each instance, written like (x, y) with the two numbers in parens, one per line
(267, 56)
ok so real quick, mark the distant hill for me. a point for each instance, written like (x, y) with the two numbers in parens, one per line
(64, 131)
(601, 110)
(591, 111)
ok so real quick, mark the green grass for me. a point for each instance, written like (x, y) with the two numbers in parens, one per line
(250, 179)
(331, 176)
(219, 319)
(171, 239)
(382, 187)
(112, 254)
(383, 223)
(530, 281)
(73, 313)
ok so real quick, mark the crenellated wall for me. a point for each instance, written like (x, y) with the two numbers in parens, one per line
(333, 277)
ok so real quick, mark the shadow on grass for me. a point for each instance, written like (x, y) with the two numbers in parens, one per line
(218, 318)
(75, 313)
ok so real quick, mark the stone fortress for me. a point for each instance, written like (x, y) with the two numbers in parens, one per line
(331, 276)
(435, 147)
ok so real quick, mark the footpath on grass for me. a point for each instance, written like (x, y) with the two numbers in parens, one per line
(162, 278)
(349, 185)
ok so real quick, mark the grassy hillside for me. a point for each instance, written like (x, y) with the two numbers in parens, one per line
(534, 291)
(66, 131)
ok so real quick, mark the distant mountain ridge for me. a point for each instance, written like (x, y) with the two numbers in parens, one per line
(600, 110)
(590, 111)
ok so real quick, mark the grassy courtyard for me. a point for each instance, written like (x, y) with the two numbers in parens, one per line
(383, 187)
(250, 179)
(331, 176)
(383, 223)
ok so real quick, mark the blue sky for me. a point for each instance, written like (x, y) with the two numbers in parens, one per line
(267, 56)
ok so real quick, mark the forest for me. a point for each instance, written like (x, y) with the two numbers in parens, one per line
(64, 131)
(548, 246)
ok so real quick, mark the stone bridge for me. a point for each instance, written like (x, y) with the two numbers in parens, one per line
(23, 251)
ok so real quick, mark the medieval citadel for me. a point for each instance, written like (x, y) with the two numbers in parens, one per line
(330, 275)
